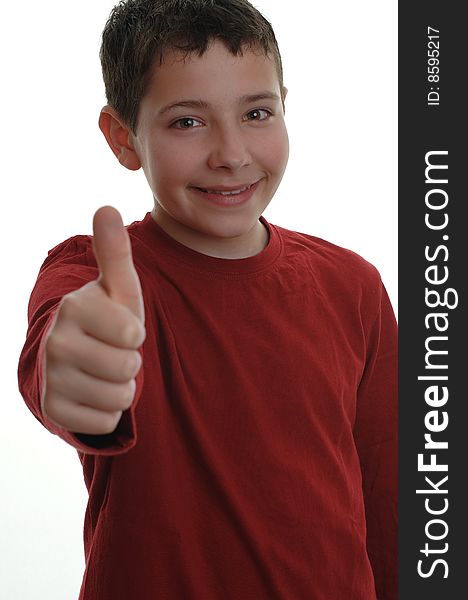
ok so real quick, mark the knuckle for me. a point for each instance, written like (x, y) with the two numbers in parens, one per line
(70, 306)
(131, 365)
(131, 333)
(46, 405)
(52, 409)
(55, 345)
(52, 381)
(131, 390)
(126, 394)
(56, 377)
(108, 422)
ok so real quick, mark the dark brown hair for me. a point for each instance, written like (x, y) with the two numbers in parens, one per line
(139, 32)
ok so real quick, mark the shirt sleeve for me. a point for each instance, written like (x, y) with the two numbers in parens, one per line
(69, 266)
(376, 438)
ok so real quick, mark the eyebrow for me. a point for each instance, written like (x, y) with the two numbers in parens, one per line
(201, 104)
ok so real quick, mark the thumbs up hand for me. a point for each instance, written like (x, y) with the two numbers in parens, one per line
(91, 351)
(113, 254)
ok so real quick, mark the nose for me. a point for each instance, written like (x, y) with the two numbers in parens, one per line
(229, 149)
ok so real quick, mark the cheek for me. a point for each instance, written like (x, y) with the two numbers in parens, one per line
(275, 152)
(174, 163)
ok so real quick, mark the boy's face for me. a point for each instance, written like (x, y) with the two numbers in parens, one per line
(213, 123)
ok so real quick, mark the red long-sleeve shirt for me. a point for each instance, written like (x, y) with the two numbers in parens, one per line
(258, 461)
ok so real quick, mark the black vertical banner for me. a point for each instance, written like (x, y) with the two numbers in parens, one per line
(433, 295)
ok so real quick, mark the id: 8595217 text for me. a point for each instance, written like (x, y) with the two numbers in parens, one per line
(433, 68)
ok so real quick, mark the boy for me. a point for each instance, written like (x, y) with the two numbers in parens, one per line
(229, 384)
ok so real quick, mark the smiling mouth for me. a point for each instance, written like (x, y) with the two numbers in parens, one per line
(232, 192)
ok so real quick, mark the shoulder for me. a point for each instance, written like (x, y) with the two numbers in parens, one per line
(78, 249)
(347, 283)
(73, 249)
(328, 258)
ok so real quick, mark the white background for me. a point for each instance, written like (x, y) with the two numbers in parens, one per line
(340, 61)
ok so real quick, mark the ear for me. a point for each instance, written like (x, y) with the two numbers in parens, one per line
(285, 93)
(119, 138)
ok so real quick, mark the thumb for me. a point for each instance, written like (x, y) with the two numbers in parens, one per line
(113, 252)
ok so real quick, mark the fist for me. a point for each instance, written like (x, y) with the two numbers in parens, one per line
(91, 350)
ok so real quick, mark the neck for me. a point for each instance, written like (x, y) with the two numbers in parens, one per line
(248, 244)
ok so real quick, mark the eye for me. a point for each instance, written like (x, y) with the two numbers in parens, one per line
(186, 123)
(258, 114)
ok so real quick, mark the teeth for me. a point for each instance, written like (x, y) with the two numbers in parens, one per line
(233, 193)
